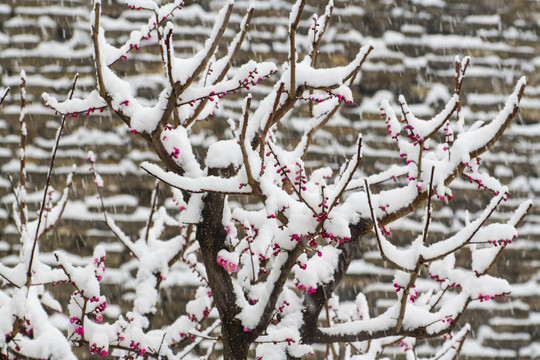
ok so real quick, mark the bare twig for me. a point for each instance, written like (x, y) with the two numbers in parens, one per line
(47, 184)
(118, 233)
(419, 262)
(188, 349)
(168, 65)
(22, 167)
(428, 214)
(485, 216)
(460, 75)
(209, 52)
(251, 181)
(144, 35)
(270, 122)
(298, 188)
(63, 203)
(405, 295)
(499, 253)
(234, 47)
(292, 42)
(357, 159)
(155, 194)
(4, 96)
(376, 231)
(16, 196)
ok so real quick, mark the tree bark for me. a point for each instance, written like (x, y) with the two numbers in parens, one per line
(235, 344)
(313, 303)
(211, 236)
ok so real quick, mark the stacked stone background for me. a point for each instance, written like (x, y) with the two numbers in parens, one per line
(415, 44)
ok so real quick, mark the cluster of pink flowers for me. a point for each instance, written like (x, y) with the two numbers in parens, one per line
(250, 80)
(322, 216)
(94, 349)
(276, 249)
(229, 266)
(501, 242)
(385, 231)
(483, 297)
(99, 264)
(338, 239)
(307, 290)
(404, 346)
(285, 303)
(414, 296)
(437, 278)
(176, 152)
(387, 121)
(136, 348)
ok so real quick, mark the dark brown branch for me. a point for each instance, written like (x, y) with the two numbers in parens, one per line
(351, 174)
(231, 55)
(22, 167)
(237, 42)
(273, 297)
(436, 128)
(499, 253)
(320, 337)
(255, 188)
(156, 25)
(422, 196)
(200, 190)
(405, 295)
(153, 139)
(211, 50)
(419, 262)
(182, 251)
(47, 184)
(377, 236)
(292, 48)
(4, 96)
(211, 236)
(51, 227)
(97, 53)
(441, 256)
(297, 189)
(118, 233)
(428, 214)
(152, 210)
(313, 302)
(15, 195)
(350, 79)
(270, 122)
(319, 33)
(174, 88)
(502, 129)
(311, 133)
(460, 75)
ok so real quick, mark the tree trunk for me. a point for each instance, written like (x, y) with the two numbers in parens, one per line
(235, 345)
(211, 236)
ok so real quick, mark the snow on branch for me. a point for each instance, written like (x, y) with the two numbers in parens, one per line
(234, 185)
(262, 273)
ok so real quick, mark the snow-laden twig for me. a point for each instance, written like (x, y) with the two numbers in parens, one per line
(111, 224)
(46, 189)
